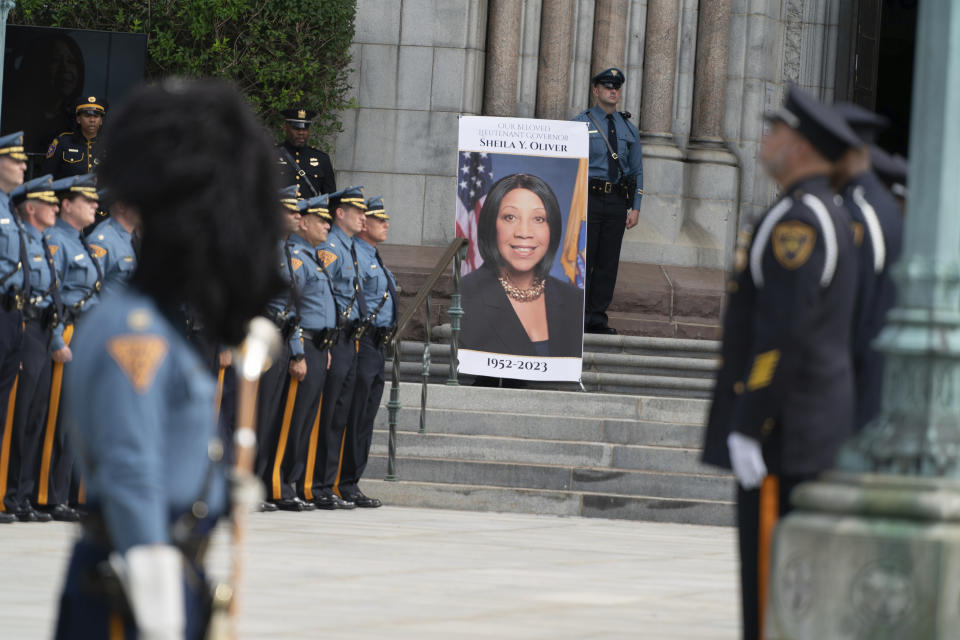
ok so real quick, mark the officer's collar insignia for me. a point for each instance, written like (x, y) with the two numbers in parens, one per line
(793, 242)
(326, 257)
(53, 249)
(296, 263)
(139, 356)
(138, 319)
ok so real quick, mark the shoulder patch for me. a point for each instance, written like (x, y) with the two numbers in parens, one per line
(296, 263)
(53, 249)
(326, 257)
(139, 357)
(98, 251)
(52, 148)
(793, 242)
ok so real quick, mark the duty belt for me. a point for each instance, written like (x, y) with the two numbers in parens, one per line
(321, 338)
(46, 317)
(13, 299)
(598, 185)
(285, 321)
(381, 335)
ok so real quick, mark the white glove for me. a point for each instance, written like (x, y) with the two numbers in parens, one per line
(746, 458)
(153, 580)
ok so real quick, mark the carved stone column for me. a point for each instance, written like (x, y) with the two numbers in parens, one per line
(553, 71)
(710, 74)
(659, 69)
(504, 24)
(609, 35)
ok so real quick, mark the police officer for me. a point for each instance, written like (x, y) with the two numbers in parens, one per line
(78, 152)
(877, 234)
(892, 171)
(616, 188)
(300, 164)
(37, 205)
(380, 292)
(139, 401)
(114, 243)
(14, 287)
(80, 277)
(783, 400)
(339, 258)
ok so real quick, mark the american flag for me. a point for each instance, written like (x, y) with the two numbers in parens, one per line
(474, 177)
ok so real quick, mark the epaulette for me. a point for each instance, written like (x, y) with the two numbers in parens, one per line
(626, 115)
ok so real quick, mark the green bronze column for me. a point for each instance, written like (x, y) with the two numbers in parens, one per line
(873, 549)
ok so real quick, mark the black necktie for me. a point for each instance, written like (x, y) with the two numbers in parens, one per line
(361, 303)
(96, 263)
(613, 167)
(390, 288)
(24, 265)
(54, 289)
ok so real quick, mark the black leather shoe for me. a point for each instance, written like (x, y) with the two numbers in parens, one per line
(601, 329)
(268, 507)
(63, 513)
(307, 506)
(30, 514)
(7, 518)
(291, 504)
(332, 501)
(362, 501)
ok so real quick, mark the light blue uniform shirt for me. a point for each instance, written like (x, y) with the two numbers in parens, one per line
(317, 307)
(41, 275)
(373, 282)
(139, 406)
(284, 303)
(113, 245)
(628, 148)
(76, 271)
(335, 253)
(11, 230)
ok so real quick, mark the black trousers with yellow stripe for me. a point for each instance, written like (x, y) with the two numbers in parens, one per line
(338, 394)
(270, 398)
(758, 511)
(56, 458)
(11, 341)
(29, 417)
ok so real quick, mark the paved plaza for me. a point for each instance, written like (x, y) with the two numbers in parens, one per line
(429, 574)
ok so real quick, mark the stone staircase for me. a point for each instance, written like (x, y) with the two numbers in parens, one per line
(556, 452)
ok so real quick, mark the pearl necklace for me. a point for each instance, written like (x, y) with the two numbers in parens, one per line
(523, 295)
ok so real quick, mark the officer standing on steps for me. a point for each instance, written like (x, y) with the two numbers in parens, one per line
(74, 153)
(380, 292)
(14, 289)
(783, 400)
(300, 164)
(616, 188)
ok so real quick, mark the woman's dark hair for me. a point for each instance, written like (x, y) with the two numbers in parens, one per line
(487, 220)
(194, 162)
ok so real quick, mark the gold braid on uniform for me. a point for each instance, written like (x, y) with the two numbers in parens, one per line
(523, 295)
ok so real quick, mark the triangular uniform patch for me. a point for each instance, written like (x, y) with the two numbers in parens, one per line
(98, 251)
(793, 242)
(326, 257)
(139, 357)
(53, 249)
(296, 263)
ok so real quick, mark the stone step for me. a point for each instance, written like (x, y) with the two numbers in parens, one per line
(573, 428)
(566, 503)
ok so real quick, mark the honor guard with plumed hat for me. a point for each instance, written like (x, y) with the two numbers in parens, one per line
(78, 152)
(783, 399)
(379, 289)
(14, 289)
(300, 164)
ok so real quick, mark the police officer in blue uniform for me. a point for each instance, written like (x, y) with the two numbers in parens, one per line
(783, 400)
(339, 258)
(139, 401)
(14, 287)
(307, 167)
(380, 292)
(877, 233)
(37, 205)
(114, 242)
(77, 152)
(616, 189)
(80, 280)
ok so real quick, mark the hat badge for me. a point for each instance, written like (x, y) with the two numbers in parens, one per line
(613, 72)
(91, 99)
(301, 113)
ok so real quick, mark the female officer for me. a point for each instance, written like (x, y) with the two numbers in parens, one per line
(140, 401)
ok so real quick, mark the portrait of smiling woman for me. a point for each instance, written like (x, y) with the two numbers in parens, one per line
(512, 305)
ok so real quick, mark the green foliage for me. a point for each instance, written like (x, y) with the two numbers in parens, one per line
(280, 53)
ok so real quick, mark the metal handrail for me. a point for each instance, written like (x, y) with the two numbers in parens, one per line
(455, 252)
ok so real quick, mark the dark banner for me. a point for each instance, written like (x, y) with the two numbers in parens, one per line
(46, 71)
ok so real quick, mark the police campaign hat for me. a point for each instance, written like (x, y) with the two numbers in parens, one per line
(865, 123)
(289, 197)
(891, 169)
(821, 125)
(298, 117)
(352, 196)
(609, 76)
(375, 208)
(91, 105)
(37, 189)
(84, 185)
(320, 205)
(11, 145)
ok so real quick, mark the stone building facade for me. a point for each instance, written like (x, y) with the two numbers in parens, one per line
(700, 73)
